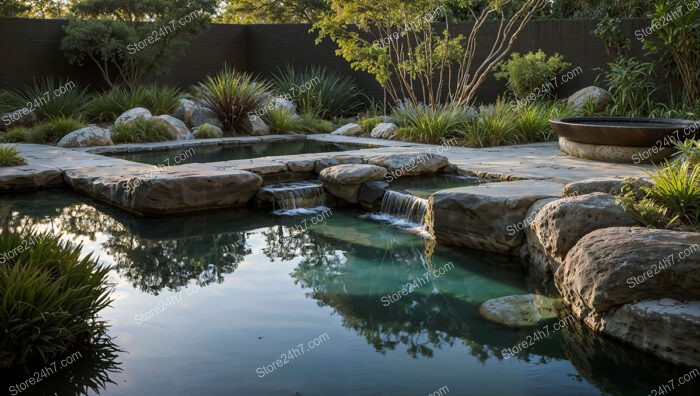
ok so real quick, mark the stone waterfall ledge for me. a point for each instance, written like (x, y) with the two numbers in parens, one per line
(149, 190)
(29, 177)
(486, 217)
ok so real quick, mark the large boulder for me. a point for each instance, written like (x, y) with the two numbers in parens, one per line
(132, 115)
(384, 130)
(207, 131)
(344, 181)
(201, 115)
(149, 190)
(282, 103)
(255, 126)
(371, 193)
(178, 129)
(23, 117)
(485, 217)
(87, 137)
(521, 310)
(348, 130)
(599, 97)
(561, 223)
(327, 162)
(409, 164)
(183, 110)
(614, 266)
(536, 252)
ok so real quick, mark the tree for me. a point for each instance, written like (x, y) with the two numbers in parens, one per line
(272, 11)
(133, 40)
(408, 58)
(13, 8)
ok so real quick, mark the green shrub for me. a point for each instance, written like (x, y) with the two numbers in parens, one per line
(533, 120)
(54, 130)
(110, 104)
(308, 123)
(159, 100)
(318, 91)
(494, 126)
(206, 131)
(51, 298)
(689, 151)
(530, 73)
(9, 102)
(368, 124)
(631, 84)
(140, 131)
(281, 120)
(51, 98)
(421, 123)
(16, 135)
(9, 156)
(231, 95)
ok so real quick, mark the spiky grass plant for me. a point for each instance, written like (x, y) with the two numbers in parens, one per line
(308, 123)
(10, 156)
(9, 102)
(316, 90)
(688, 151)
(494, 126)
(422, 123)
(108, 105)
(280, 120)
(677, 188)
(368, 124)
(54, 129)
(16, 135)
(533, 119)
(140, 131)
(54, 98)
(231, 95)
(50, 299)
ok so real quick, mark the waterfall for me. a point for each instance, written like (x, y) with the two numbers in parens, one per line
(404, 209)
(290, 198)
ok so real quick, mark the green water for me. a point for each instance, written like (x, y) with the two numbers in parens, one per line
(246, 287)
(424, 186)
(203, 154)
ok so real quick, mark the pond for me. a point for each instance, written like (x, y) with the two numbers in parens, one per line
(204, 154)
(241, 302)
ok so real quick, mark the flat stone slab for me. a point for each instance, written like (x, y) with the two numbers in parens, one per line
(486, 217)
(149, 190)
(521, 310)
(29, 177)
(410, 164)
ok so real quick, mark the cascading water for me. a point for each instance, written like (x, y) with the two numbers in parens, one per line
(403, 210)
(295, 198)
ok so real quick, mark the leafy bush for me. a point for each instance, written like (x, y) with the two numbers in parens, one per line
(113, 36)
(494, 126)
(50, 98)
(533, 119)
(529, 73)
(368, 124)
(231, 95)
(631, 84)
(281, 120)
(308, 123)
(431, 125)
(140, 131)
(110, 104)
(54, 130)
(15, 135)
(51, 297)
(610, 32)
(325, 94)
(689, 151)
(9, 156)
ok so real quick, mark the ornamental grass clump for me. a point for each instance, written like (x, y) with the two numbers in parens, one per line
(9, 156)
(140, 130)
(50, 297)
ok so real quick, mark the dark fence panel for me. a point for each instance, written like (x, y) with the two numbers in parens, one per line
(30, 49)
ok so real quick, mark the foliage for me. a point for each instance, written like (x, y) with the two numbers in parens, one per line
(631, 84)
(51, 297)
(321, 92)
(132, 40)
(140, 130)
(207, 131)
(533, 119)
(677, 37)
(9, 102)
(409, 59)
(689, 151)
(280, 120)
(272, 11)
(15, 135)
(54, 129)
(110, 104)
(368, 124)
(232, 95)
(609, 31)
(526, 73)
(51, 98)
(308, 123)
(9, 156)
(430, 125)
(13, 8)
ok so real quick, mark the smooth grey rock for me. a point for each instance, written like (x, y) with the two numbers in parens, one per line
(149, 190)
(617, 154)
(282, 103)
(561, 223)
(608, 185)
(598, 96)
(348, 130)
(409, 164)
(87, 137)
(201, 115)
(521, 310)
(535, 251)
(29, 177)
(183, 110)
(301, 166)
(336, 160)
(255, 126)
(132, 115)
(371, 193)
(343, 181)
(178, 129)
(216, 132)
(615, 266)
(482, 217)
(23, 117)
(384, 130)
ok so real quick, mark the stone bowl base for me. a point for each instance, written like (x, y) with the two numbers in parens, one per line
(617, 154)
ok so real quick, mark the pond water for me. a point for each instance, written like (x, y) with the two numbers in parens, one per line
(238, 289)
(203, 154)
